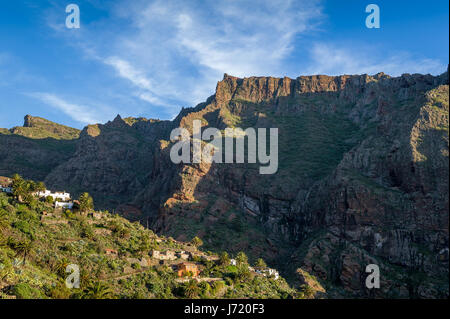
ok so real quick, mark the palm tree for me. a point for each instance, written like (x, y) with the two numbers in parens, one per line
(191, 290)
(61, 266)
(19, 187)
(40, 187)
(224, 259)
(241, 258)
(97, 290)
(23, 189)
(16, 179)
(24, 248)
(260, 264)
(86, 202)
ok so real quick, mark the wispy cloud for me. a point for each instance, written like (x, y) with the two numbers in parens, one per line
(81, 113)
(129, 72)
(175, 52)
(242, 38)
(333, 60)
(137, 78)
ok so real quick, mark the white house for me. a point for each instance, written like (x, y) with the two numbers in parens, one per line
(268, 272)
(233, 262)
(63, 196)
(68, 205)
(167, 255)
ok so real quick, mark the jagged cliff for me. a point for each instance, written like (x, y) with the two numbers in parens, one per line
(363, 178)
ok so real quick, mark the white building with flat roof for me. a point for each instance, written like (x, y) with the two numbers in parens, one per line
(63, 196)
(67, 205)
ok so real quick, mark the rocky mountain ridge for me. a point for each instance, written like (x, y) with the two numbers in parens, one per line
(363, 178)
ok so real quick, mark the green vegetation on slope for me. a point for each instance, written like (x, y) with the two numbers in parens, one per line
(37, 243)
(40, 128)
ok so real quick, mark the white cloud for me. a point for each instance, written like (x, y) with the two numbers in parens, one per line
(333, 60)
(242, 38)
(81, 113)
(129, 72)
(181, 49)
(137, 78)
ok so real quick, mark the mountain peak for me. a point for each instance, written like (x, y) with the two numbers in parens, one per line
(32, 121)
(118, 122)
(38, 127)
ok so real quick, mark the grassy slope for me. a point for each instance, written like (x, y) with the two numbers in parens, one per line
(40, 128)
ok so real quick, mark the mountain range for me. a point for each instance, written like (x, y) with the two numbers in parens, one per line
(362, 178)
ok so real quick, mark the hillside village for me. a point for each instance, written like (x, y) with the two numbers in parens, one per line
(114, 253)
(60, 199)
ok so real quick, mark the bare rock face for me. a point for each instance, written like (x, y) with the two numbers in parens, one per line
(389, 196)
(362, 179)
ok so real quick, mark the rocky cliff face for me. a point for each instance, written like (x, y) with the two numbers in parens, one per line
(112, 161)
(362, 179)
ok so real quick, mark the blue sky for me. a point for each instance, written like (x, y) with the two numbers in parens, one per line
(150, 58)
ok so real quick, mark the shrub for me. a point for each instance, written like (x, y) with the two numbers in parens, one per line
(25, 214)
(243, 274)
(24, 227)
(25, 291)
(87, 231)
(68, 214)
(60, 291)
(197, 242)
(4, 220)
(306, 292)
